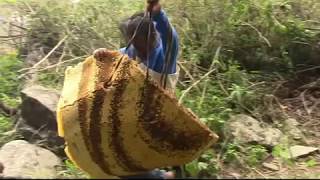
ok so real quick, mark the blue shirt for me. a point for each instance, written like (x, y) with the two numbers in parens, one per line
(157, 55)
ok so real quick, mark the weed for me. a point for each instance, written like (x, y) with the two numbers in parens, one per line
(256, 154)
(311, 163)
(71, 171)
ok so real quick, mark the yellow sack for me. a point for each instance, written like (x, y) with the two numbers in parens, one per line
(116, 123)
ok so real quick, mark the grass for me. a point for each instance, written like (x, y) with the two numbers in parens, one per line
(71, 171)
(5, 124)
(9, 93)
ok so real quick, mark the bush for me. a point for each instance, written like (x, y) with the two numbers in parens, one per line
(10, 86)
(89, 24)
(9, 92)
(259, 34)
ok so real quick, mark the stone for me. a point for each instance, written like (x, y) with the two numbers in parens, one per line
(22, 159)
(272, 137)
(39, 107)
(291, 127)
(292, 122)
(247, 130)
(301, 151)
(271, 167)
(37, 122)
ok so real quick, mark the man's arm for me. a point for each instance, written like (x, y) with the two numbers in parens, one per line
(163, 25)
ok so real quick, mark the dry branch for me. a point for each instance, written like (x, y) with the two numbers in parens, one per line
(51, 66)
(47, 56)
(195, 84)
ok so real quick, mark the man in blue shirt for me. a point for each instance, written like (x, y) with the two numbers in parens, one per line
(160, 39)
(156, 43)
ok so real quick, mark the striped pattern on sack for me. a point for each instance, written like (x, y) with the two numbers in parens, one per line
(117, 123)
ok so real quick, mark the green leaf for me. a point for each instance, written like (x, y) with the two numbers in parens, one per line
(312, 163)
(193, 168)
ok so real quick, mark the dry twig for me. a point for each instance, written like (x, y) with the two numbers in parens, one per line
(195, 84)
(51, 66)
(47, 56)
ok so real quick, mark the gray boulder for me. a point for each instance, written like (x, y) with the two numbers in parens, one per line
(21, 159)
(39, 107)
(37, 122)
(247, 130)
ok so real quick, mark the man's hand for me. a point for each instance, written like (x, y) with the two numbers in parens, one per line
(100, 54)
(153, 1)
(154, 6)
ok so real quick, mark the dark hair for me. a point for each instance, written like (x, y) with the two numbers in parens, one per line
(129, 26)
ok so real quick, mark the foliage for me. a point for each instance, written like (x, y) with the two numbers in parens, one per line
(5, 124)
(204, 167)
(94, 20)
(312, 163)
(259, 34)
(252, 155)
(282, 151)
(51, 79)
(71, 171)
(232, 153)
(7, 1)
(9, 92)
(256, 154)
(9, 89)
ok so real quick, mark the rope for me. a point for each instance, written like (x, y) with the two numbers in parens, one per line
(148, 43)
(165, 68)
(168, 54)
(168, 58)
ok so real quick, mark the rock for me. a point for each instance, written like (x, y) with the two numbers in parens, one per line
(301, 151)
(235, 175)
(247, 130)
(39, 107)
(292, 122)
(37, 123)
(1, 168)
(21, 159)
(271, 167)
(272, 137)
(291, 126)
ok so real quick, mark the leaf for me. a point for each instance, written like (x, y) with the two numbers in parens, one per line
(193, 168)
(312, 163)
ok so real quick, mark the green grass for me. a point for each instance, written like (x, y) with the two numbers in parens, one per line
(5, 124)
(9, 92)
(71, 171)
(10, 84)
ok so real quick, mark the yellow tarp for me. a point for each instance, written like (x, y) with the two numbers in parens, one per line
(116, 123)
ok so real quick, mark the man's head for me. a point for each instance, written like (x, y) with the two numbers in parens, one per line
(130, 26)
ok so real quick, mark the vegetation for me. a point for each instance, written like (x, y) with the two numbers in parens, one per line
(241, 50)
(9, 91)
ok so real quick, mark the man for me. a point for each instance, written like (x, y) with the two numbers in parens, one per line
(160, 39)
(153, 43)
